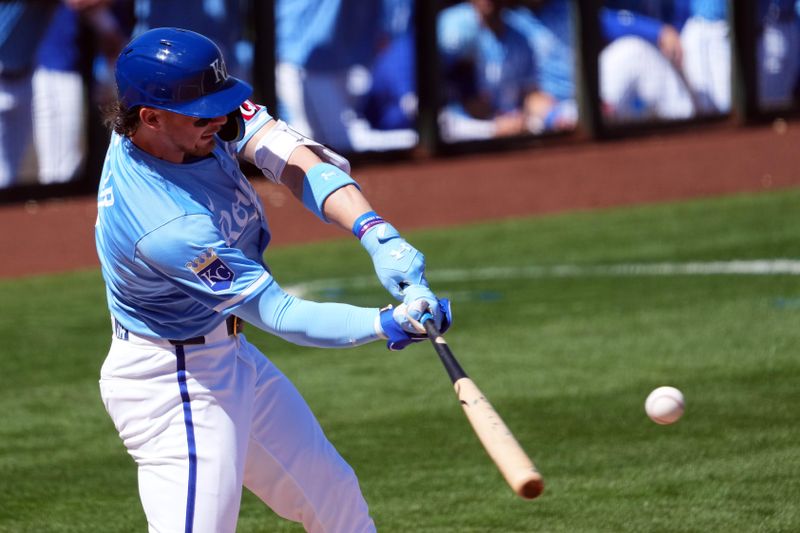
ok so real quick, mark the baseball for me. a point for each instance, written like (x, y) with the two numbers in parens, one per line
(664, 405)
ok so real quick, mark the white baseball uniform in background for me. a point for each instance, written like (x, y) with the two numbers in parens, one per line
(59, 106)
(707, 61)
(22, 24)
(59, 124)
(324, 47)
(637, 81)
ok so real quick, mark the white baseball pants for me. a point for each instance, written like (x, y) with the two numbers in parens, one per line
(638, 82)
(201, 421)
(16, 126)
(707, 63)
(59, 120)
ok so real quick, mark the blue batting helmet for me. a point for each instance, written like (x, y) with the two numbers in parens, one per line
(178, 70)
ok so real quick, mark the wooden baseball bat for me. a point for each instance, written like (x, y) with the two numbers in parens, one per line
(512, 461)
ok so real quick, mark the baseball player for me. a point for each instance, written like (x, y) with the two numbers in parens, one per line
(326, 47)
(637, 79)
(22, 25)
(59, 97)
(705, 37)
(490, 70)
(180, 235)
(778, 52)
(58, 100)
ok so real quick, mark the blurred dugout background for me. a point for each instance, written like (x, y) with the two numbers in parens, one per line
(408, 79)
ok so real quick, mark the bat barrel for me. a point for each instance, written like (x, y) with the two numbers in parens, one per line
(498, 441)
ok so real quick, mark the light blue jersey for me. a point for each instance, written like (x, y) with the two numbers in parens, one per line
(549, 32)
(709, 9)
(180, 246)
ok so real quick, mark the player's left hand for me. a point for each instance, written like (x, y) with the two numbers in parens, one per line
(397, 263)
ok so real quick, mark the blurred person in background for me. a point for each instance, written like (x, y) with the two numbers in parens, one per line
(640, 69)
(705, 40)
(22, 26)
(489, 72)
(325, 49)
(391, 102)
(638, 76)
(778, 52)
(59, 88)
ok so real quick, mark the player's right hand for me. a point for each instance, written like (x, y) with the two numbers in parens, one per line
(417, 300)
(397, 338)
(669, 42)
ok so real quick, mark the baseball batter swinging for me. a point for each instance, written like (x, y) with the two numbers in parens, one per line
(180, 235)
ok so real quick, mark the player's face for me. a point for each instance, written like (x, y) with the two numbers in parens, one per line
(190, 137)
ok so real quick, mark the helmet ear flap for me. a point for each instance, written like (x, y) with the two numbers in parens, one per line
(233, 129)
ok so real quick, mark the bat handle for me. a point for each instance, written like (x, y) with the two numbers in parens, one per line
(430, 326)
(449, 361)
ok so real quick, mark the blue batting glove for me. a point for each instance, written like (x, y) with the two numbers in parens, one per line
(397, 263)
(398, 338)
(417, 300)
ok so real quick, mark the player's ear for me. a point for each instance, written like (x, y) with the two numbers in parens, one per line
(150, 117)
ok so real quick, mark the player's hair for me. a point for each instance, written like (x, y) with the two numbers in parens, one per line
(121, 119)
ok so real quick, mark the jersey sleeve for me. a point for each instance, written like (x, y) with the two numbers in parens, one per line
(190, 253)
(255, 116)
(307, 323)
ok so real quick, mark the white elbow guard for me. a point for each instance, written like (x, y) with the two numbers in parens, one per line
(274, 148)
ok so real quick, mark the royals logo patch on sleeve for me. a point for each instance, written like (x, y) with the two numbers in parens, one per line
(212, 271)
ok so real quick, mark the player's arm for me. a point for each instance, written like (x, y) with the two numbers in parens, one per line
(225, 280)
(320, 179)
(341, 202)
(328, 324)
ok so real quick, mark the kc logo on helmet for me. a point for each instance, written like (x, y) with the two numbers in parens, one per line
(220, 70)
(212, 271)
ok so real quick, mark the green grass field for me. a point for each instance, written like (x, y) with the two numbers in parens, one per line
(565, 346)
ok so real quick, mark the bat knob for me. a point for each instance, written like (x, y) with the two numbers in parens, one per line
(531, 488)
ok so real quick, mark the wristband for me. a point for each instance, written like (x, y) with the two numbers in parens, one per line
(365, 222)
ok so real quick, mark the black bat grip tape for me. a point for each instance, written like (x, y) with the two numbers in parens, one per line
(449, 361)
